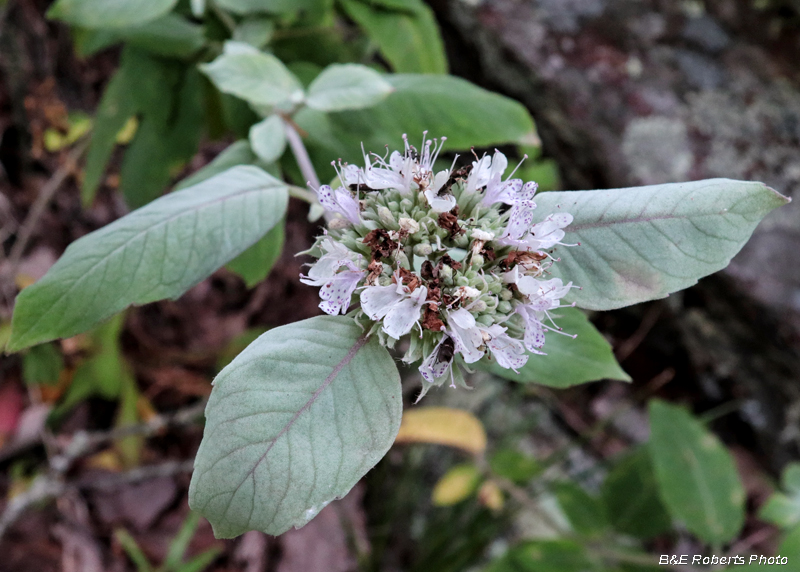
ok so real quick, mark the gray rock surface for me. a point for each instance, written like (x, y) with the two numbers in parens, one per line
(630, 92)
(635, 92)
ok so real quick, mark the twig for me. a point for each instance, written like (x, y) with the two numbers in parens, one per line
(301, 155)
(40, 204)
(626, 348)
(48, 487)
(52, 485)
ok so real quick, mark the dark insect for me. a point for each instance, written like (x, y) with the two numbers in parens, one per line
(446, 351)
(360, 187)
(459, 173)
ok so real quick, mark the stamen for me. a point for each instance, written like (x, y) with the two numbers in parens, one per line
(517, 167)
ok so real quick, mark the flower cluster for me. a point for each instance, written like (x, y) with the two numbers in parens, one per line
(453, 256)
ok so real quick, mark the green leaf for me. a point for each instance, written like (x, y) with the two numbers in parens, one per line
(267, 139)
(544, 556)
(259, 78)
(117, 105)
(783, 509)
(168, 36)
(442, 105)
(514, 466)
(790, 545)
(133, 551)
(167, 136)
(408, 39)
(179, 544)
(158, 251)
(237, 153)
(292, 424)
(255, 263)
(105, 373)
(347, 86)
(109, 13)
(236, 346)
(569, 361)
(268, 6)
(42, 365)
(696, 475)
(586, 513)
(630, 494)
(642, 243)
(254, 31)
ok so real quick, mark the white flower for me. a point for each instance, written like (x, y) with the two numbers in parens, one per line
(439, 203)
(438, 361)
(340, 201)
(507, 351)
(482, 235)
(466, 335)
(337, 286)
(541, 235)
(534, 329)
(501, 192)
(541, 296)
(485, 170)
(399, 309)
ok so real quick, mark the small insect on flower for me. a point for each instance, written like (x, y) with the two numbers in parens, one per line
(456, 258)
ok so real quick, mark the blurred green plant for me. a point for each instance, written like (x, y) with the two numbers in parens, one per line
(174, 561)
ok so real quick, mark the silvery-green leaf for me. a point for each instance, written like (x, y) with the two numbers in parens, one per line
(256, 77)
(267, 139)
(569, 361)
(198, 8)
(443, 105)
(405, 32)
(292, 424)
(783, 508)
(696, 475)
(267, 6)
(158, 251)
(347, 86)
(109, 13)
(642, 243)
(255, 32)
(255, 263)
(237, 153)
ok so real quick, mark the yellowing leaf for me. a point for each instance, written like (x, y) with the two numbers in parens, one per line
(125, 135)
(490, 496)
(443, 426)
(456, 485)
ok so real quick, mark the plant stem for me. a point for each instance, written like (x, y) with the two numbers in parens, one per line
(301, 155)
(302, 194)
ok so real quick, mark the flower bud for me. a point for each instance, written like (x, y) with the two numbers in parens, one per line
(504, 307)
(446, 274)
(461, 280)
(409, 225)
(338, 223)
(386, 217)
(478, 306)
(477, 260)
(402, 259)
(506, 294)
(485, 320)
(423, 249)
(406, 204)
